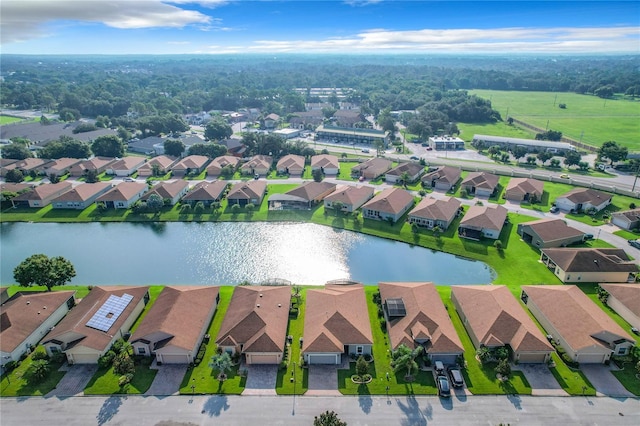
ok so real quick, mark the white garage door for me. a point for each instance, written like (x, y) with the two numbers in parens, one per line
(532, 358)
(323, 359)
(175, 359)
(446, 359)
(591, 358)
(85, 358)
(262, 359)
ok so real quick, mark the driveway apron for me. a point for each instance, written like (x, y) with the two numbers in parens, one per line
(261, 380)
(604, 381)
(75, 379)
(541, 380)
(167, 380)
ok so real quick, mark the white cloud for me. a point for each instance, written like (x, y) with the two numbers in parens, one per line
(500, 40)
(361, 2)
(27, 19)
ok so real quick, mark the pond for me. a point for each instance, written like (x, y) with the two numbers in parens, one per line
(228, 253)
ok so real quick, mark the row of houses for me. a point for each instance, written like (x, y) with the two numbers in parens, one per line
(336, 324)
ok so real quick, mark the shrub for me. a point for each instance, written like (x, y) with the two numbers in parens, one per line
(123, 364)
(10, 366)
(39, 354)
(125, 379)
(503, 368)
(501, 353)
(57, 358)
(37, 371)
(362, 366)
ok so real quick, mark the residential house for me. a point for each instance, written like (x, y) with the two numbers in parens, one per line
(41, 135)
(175, 325)
(235, 147)
(629, 219)
(413, 171)
(306, 119)
(192, 164)
(96, 164)
(303, 197)
(26, 166)
(482, 184)
(291, 165)
(443, 178)
(61, 166)
(257, 165)
(583, 199)
(81, 196)
(483, 221)
(431, 212)
(576, 323)
(4, 162)
(350, 198)
(347, 118)
(371, 169)
(389, 204)
(251, 192)
(214, 169)
(206, 192)
(416, 317)
(625, 300)
(545, 233)
(89, 330)
(123, 195)
(157, 166)
(494, 318)
(26, 317)
(172, 190)
(42, 195)
(125, 166)
(152, 145)
(271, 121)
(329, 164)
(4, 294)
(256, 323)
(600, 265)
(13, 188)
(524, 189)
(336, 323)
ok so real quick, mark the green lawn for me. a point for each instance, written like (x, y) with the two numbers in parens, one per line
(203, 377)
(5, 119)
(628, 376)
(105, 381)
(501, 128)
(345, 170)
(588, 118)
(284, 385)
(574, 382)
(618, 203)
(14, 383)
(81, 291)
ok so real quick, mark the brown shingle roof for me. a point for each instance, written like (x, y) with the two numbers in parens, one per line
(257, 318)
(432, 208)
(257, 161)
(485, 217)
(586, 195)
(411, 168)
(127, 163)
(312, 190)
(627, 294)
(578, 320)
(206, 191)
(496, 318)
(82, 192)
(25, 312)
(526, 186)
(191, 162)
(180, 312)
(426, 317)
(348, 194)
(391, 200)
(481, 180)
(218, 163)
(167, 189)
(446, 174)
(291, 161)
(44, 191)
(76, 320)
(591, 259)
(94, 163)
(325, 161)
(376, 166)
(63, 163)
(122, 192)
(163, 161)
(552, 229)
(336, 316)
(247, 190)
(632, 215)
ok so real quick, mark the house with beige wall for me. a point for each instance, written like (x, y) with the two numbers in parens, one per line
(625, 300)
(598, 265)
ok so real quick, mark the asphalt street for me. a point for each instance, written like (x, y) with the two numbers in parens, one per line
(273, 410)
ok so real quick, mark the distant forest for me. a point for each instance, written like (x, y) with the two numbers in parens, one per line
(111, 86)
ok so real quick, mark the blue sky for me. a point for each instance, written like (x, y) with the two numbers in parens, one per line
(311, 26)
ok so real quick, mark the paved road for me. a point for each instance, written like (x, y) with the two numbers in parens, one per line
(267, 410)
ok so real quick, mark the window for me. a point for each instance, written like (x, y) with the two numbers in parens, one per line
(142, 351)
(622, 351)
(359, 350)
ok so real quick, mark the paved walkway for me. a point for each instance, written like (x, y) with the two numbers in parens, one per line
(604, 381)
(75, 379)
(168, 379)
(541, 380)
(261, 380)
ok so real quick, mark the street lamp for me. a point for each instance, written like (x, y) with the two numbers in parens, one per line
(294, 387)
(193, 387)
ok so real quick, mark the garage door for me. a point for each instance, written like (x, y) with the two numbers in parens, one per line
(323, 359)
(262, 359)
(85, 358)
(446, 359)
(591, 358)
(174, 359)
(532, 358)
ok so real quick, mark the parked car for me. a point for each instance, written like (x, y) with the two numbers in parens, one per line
(413, 157)
(564, 176)
(429, 148)
(444, 390)
(634, 243)
(439, 368)
(456, 378)
(554, 209)
(365, 150)
(588, 237)
(128, 179)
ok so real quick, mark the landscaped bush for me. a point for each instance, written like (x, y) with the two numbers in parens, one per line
(37, 371)
(10, 366)
(106, 360)
(39, 354)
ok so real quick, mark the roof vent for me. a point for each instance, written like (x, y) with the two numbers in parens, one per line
(258, 305)
(260, 294)
(38, 312)
(28, 302)
(279, 305)
(44, 307)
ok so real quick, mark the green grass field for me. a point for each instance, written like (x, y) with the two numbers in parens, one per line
(5, 119)
(588, 118)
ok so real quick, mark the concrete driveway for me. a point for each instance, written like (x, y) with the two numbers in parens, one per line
(541, 380)
(604, 381)
(323, 380)
(75, 379)
(168, 379)
(261, 380)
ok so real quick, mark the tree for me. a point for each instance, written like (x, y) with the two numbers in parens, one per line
(554, 163)
(544, 156)
(613, 151)
(227, 171)
(498, 245)
(379, 145)
(503, 368)
(14, 176)
(66, 147)
(531, 160)
(173, 147)
(211, 150)
(504, 157)
(217, 130)
(123, 364)
(91, 176)
(108, 146)
(583, 166)
(604, 91)
(494, 151)
(198, 208)
(222, 363)
(519, 152)
(572, 158)
(250, 208)
(404, 178)
(549, 135)
(235, 209)
(16, 151)
(317, 175)
(37, 371)
(328, 418)
(362, 366)
(155, 203)
(54, 178)
(405, 358)
(39, 269)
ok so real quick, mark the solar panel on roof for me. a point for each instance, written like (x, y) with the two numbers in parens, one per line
(396, 308)
(109, 312)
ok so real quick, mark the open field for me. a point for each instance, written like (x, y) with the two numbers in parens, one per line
(5, 119)
(588, 118)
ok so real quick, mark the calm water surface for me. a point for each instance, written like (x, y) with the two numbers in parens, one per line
(228, 253)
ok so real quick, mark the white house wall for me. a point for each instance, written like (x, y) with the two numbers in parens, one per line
(624, 312)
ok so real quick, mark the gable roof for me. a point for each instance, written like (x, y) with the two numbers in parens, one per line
(591, 259)
(14, 187)
(481, 180)
(23, 313)
(257, 161)
(411, 168)
(180, 312)
(219, 163)
(167, 189)
(291, 161)
(247, 190)
(552, 229)
(375, 165)
(82, 192)
(496, 318)
(325, 161)
(349, 194)
(580, 322)
(485, 217)
(42, 192)
(257, 318)
(627, 294)
(191, 162)
(63, 163)
(629, 215)
(391, 200)
(163, 161)
(310, 191)
(122, 191)
(426, 317)
(127, 163)
(94, 163)
(438, 209)
(27, 164)
(586, 195)
(525, 186)
(336, 316)
(446, 174)
(76, 320)
(204, 191)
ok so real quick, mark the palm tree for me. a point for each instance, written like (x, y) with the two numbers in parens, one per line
(404, 177)
(222, 363)
(405, 358)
